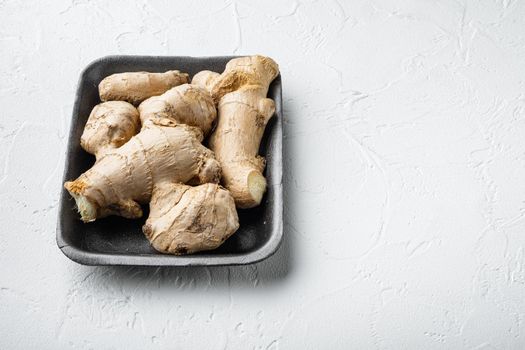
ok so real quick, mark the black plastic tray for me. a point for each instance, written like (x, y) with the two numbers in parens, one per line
(119, 241)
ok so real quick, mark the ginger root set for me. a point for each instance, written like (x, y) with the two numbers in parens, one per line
(147, 139)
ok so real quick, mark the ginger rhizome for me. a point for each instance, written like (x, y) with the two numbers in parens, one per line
(123, 179)
(185, 104)
(109, 126)
(135, 87)
(243, 113)
(185, 219)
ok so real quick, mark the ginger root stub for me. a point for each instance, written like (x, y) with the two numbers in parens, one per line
(243, 112)
(135, 87)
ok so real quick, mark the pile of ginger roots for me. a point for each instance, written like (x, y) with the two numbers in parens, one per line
(147, 136)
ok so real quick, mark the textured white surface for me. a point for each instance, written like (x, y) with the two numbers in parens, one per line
(404, 179)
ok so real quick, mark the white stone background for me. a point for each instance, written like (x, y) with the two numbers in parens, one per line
(404, 178)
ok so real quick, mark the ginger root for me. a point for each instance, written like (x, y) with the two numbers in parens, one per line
(185, 219)
(205, 79)
(109, 126)
(243, 112)
(162, 152)
(135, 87)
(184, 104)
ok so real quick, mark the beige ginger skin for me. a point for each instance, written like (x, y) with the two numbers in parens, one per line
(109, 126)
(185, 219)
(162, 152)
(243, 112)
(186, 104)
(135, 87)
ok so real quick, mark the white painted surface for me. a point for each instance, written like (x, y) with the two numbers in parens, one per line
(405, 167)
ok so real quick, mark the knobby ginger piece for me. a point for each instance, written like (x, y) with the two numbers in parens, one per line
(109, 126)
(162, 151)
(185, 219)
(243, 113)
(185, 104)
(135, 87)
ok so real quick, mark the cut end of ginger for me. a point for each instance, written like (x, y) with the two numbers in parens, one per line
(256, 186)
(86, 208)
